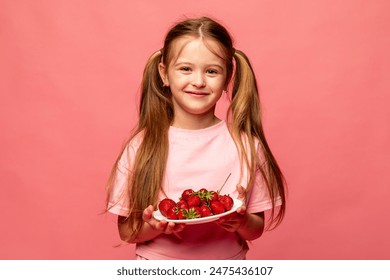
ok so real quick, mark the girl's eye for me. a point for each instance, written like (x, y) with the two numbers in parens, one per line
(212, 71)
(185, 69)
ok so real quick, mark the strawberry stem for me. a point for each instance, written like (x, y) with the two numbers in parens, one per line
(224, 183)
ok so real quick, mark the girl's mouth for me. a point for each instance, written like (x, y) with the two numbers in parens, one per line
(197, 93)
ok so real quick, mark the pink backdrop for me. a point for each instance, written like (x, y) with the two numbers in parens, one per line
(69, 80)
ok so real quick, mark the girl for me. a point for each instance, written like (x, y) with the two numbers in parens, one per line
(179, 143)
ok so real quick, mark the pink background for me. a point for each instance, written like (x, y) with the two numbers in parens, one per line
(69, 79)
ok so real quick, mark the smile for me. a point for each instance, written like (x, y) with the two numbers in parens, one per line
(196, 93)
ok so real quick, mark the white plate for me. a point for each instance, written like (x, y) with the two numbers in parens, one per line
(236, 204)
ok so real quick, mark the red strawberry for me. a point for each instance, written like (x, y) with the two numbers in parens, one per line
(198, 212)
(213, 196)
(181, 215)
(193, 200)
(182, 204)
(217, 207)
(202, 191)
(227, 202)
(193, 213)
(205, 211)
(203, 202)
(171, 213)
(186, 194)
(165, 204)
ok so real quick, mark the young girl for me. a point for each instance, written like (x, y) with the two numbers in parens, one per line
(180, 144)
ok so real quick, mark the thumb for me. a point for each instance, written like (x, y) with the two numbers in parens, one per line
(147, 213)
(242, 196)
(241, 191)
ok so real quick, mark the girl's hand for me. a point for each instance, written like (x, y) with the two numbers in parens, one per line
(233, 221)
(161, 226)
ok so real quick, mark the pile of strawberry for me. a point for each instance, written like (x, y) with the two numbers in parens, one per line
(195, 204)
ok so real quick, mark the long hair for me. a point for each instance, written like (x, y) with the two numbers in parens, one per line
(156, 115)
(245, 114)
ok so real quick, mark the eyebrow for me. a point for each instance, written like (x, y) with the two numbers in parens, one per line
(192, 64)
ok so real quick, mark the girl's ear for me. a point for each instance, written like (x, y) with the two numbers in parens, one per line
(162, 69)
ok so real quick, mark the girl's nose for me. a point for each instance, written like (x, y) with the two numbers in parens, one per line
(198, 80)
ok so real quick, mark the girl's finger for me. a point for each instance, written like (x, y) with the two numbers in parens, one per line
(241, 191)
(147, 213)
(161, 225)
(241, 210)
(170, 229)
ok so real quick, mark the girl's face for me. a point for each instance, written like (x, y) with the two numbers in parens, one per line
(196, 77)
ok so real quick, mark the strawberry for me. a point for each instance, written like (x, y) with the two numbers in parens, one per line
(193, 200)
(205, 211)
(171, 213)
(207, 196)
(198, 212)
(213, 196)
(203, 202)
(181, 214)
(217, 207)
(193, 213)
(165, 204)
(202, 192)
(182, 204)
(227, 202)
(186, 194)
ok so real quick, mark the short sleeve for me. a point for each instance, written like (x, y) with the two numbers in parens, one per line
(118, 202)
(259, 199)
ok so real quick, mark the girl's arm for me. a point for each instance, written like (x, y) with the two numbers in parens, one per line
(252, 227)
(151, 228)
(249, 226)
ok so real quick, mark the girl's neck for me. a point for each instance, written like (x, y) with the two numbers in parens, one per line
(194, 123)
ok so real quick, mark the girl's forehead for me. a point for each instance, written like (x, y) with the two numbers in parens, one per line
(180, 45)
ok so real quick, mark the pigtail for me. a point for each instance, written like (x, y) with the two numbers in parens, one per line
(246, 120)
(155, 116)
(155, 96)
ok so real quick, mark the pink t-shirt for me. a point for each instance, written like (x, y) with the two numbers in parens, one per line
(197, 159)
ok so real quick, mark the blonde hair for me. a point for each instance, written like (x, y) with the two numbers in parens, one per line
(156, 115)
